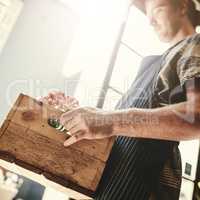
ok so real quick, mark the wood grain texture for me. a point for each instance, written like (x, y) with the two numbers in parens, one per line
(4, 127)
(15, 107)
(27, 140)
(98, 148)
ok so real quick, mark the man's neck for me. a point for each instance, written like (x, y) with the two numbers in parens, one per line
(185, 31)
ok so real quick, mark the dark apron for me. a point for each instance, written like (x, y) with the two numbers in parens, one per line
(135, 166)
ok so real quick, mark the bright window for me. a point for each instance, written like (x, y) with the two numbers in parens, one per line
(138, 40)
(93, 46)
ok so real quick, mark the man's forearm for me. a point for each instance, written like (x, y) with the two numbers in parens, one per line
(175, 122)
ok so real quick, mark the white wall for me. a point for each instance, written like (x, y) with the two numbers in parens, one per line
(33, 58)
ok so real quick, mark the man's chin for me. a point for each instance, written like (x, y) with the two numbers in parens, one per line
(163, 38)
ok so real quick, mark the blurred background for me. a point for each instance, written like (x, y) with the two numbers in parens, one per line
(89, 49)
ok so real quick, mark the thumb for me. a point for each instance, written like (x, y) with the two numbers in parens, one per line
(75, 138)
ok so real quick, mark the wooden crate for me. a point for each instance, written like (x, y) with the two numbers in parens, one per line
(27, 140)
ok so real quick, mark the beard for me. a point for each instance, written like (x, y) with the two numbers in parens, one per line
(167, 32)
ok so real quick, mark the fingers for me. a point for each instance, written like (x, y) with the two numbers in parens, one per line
(70, 124)
(74, 125)
(75, 138)
(66, 117)
(74, 130)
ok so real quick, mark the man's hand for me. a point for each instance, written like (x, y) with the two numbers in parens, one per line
(82, 123)
(87, 123)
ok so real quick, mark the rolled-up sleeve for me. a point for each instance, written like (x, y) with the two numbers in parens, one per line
(188, 66)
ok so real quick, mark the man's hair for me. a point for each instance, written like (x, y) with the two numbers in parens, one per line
(192, 13)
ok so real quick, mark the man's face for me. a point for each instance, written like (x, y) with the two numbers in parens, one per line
(164, 17)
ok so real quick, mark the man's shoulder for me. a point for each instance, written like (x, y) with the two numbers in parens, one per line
(191, 46)
(183, 46)
(195, 38)
(191, 41)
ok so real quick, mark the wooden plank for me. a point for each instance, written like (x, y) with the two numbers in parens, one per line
(10, 114)
(96, 179)
(15, 107)
(39, 115)
(48, 156)
(27, 140)
(31, 114)
(97, 148)
(4, 127)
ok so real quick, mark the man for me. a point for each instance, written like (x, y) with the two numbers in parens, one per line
(152, 117)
